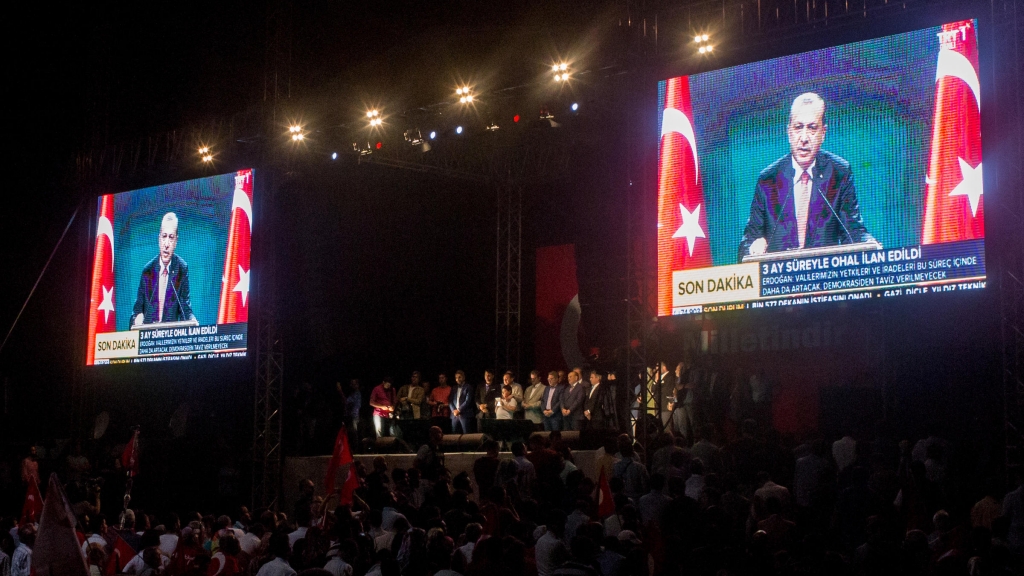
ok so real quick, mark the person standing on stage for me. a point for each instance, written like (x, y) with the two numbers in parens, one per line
(486, 393)
(438, 400)
(462, 404)
(382, 399)
(551, 403)
(572, 402)
(532, 398)
(410, 399)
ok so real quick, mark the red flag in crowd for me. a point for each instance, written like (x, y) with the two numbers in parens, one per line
(341, 456)
(605, 500)
(953, 204)
(57, 551)
(121, 554)
(682, 213)
(33, 507)
(234, 292)
(130, 456)
(101, 296)
(348, 489)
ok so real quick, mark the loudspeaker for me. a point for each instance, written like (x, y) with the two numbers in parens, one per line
(412, 432)
(508, 430)
(570, 437)
(462, 442)
(386, 445)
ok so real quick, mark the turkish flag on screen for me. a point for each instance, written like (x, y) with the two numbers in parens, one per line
(953, 201)
(101, 295)
(682, 213)
(234, 292)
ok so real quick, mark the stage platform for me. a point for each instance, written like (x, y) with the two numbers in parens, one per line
(315, 468)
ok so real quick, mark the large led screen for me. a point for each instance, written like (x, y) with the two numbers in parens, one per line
(841, 174)
(170, 272)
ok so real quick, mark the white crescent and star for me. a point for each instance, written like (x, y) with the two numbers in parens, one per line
(107, 305)
(243, 284)
(970, 186)
(673, 120)
(954, 64)
(105, 228)
(690, 229)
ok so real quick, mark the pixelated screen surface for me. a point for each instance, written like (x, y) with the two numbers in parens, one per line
(170, 272)
(844, 173)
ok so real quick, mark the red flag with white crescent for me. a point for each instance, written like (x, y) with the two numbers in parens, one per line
(234, 292)
(101, 295)
(342, 455)
(130, 456)
(683, 241)
(33, 506)
(954, 209)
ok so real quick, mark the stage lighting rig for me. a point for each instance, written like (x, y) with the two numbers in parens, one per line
(703, 48)
(492, 127)
(205, 154)
(414, 138)
(375, 118)
(561, 72)
(361, 150)
(465, 95)
(296, 132)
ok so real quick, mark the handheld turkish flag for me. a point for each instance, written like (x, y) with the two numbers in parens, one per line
(348, 489)
(605, 500)
(57, 551)
(341, 456)
(130, 456)
(33, 505)
(121, 554)
(953, 204)
(101, 295)
(234, 291)
(682, 213)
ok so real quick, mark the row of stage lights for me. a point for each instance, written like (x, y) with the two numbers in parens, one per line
(465, 96)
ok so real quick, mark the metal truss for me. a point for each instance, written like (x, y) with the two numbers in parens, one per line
(1011, 209)
(507, 163)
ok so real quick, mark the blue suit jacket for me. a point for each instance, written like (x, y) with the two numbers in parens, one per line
(773, 209)
(467, 406)
(177, 298)
(574, 398)
(556, 393)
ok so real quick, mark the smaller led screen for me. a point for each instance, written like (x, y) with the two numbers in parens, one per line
(847, 173)
(170, 272)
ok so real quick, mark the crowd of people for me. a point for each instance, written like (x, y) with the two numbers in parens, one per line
(715, 491)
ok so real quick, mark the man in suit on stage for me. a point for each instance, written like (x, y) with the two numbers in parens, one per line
(599, 406)
(164, 294)
(551, 403)
(805, 199)
(572, 402)
(462, 404)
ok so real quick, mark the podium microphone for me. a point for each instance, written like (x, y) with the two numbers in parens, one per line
(178, 299)
(836, 216)
(776, 226)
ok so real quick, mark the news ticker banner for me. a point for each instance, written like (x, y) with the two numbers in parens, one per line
(831, 278)
(165, 344)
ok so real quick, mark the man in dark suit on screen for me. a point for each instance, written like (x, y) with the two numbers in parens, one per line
(806, 199)
(164, 294)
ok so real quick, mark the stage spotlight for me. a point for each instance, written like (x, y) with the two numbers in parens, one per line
(704, 37)
(561, 72)
(696, 38)
(458, 129)
(375, 117)
(204, 150)
(334, 155)
(554, 68)
(298, 137)
(575, 106)
(710, 47)
(379, 144)
(295, 129)
(702, 49)
(208, 158)
(433, 134)
(516, 118)
(562, 67)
